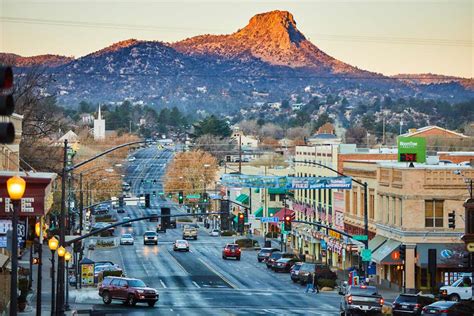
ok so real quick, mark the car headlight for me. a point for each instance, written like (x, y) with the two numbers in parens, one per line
(140, 291)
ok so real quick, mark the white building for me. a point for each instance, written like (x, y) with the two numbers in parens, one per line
(99, 127)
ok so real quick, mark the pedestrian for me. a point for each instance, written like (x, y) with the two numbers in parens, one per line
(315, 284)
(310, 283)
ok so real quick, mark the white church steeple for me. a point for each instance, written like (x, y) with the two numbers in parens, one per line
(99, 127)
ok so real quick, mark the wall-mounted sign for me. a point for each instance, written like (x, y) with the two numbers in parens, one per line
(411, 149)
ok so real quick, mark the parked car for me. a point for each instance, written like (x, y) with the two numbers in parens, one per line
(150, 237)
(126, 239)
(126, 218)
(181, 244)
(131, 291)
(448, 308)
(295, 271)
(270, 262)
(410, 304)
(462, 289)
(120, 210)
(264, 253)
(215, 233)
(360, 298)
(131, 158)
(231, 250)
(284, 264)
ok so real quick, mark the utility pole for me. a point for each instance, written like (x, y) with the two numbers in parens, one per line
(383, 128)
(240, 153)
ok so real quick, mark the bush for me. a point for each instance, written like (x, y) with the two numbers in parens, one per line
(105, 218)
(325, 274)
(326, 283)
(102, 243)
(247, 243)
(227, 233)
(272, 235)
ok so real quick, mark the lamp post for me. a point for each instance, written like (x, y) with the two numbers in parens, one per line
(67, 258)
(53, 244)
(39, 228)
(16, 189)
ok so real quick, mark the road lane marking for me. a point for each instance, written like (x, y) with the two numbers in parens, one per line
(163, 284)
(218, 274)
(177, 262)
(195, 284)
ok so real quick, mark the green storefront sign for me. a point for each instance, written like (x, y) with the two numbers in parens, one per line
(411, 149)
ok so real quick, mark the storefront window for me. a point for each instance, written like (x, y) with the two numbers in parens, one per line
(434, 213)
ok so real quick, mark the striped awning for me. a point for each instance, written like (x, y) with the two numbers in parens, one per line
(243, 198)
(259, 212)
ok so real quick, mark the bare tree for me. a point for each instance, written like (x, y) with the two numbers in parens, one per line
(297, 133)
(272, 130)
(270, 160)
(249, 127)
(217, 146)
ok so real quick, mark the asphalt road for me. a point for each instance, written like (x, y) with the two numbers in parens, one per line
(198, 282)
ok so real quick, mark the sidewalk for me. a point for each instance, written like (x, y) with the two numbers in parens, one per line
(45, 288)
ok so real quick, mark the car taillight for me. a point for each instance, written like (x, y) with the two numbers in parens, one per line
(443, 311)
(349, 299)
(425, 309)
(381, 301)
(417, 305)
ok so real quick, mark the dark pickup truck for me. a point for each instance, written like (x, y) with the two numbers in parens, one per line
(361, 299)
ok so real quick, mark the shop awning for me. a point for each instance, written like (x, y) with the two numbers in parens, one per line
(257, 190)
(272, 211)
(277, 191)
(383, 255)
(376, 242)
(281, 213)
(447, 255)
(243, 198)
(259, 212)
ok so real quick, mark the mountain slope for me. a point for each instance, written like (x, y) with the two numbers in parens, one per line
(40, 60)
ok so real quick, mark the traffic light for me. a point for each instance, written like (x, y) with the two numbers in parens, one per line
(205, 197)
(402, 251)
(180, 197)
(287, 223)
(466, 260)
(225, 218)
(240, 222)
(452, 219)
(170, 195)
(147, 200)
(7, 130)
(36, 260)
(154, 193)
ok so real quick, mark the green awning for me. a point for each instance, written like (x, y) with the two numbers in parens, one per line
(277, 191)
(243, 198)
(257, 190)
(273, 210)
(259, 212)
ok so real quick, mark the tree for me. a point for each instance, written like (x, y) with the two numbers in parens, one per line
(216, 146)
(297, 133)
(272, 130)
(191, 172)
(42, 119)
(270, 161)
(356, 135)
(322, 119)
(249, 127)
(212, 125)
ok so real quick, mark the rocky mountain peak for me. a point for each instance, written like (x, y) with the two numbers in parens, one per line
(278, 27)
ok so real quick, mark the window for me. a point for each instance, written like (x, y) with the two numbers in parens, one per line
(347, 200)
(371, 204)
(354, 202)
(434, 213)
(273, 197)
(362, 202)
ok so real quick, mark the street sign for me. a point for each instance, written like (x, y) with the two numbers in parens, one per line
(269, 219)
(360, 237)
(366, 255)
(470, 247)
(193, 196)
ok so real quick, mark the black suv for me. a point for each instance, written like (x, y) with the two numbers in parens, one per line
(410, 304)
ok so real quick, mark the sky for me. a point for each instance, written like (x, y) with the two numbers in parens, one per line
(390, 37)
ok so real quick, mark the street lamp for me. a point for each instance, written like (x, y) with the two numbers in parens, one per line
(53, 244)
(16, 188)
(67, 257)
